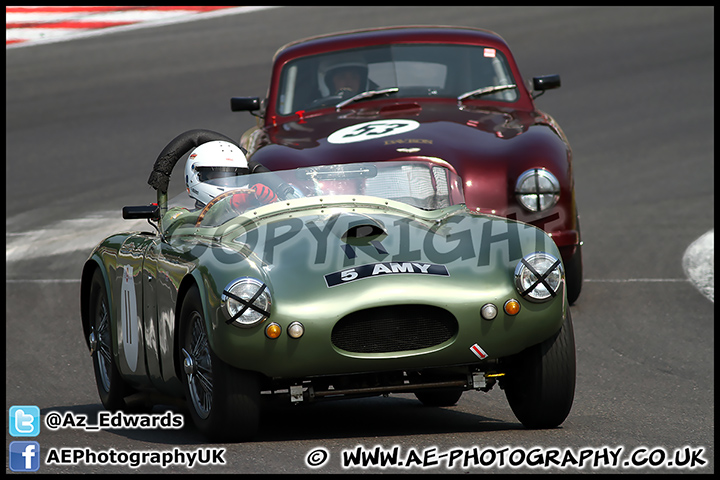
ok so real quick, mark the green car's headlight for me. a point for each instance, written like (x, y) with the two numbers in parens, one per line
(537, 189)
(246, 302)
(539, 276)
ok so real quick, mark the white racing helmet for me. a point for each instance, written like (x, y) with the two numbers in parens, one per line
(213, 161)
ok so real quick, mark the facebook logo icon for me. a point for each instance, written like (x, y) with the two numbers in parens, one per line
(24, 421)
(24, 456)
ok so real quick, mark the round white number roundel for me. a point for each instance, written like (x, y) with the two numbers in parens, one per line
(371, 130)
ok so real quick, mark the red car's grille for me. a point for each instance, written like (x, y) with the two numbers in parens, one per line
(394, 329)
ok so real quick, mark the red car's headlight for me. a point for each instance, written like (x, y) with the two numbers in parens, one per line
(537, 189)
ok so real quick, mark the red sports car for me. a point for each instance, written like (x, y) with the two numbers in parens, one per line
(448, 93)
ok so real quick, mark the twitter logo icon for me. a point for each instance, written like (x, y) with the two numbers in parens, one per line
(24, 421)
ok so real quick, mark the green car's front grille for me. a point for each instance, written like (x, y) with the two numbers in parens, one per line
(394, 329)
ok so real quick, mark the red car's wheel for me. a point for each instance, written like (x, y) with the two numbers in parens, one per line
(574, 275)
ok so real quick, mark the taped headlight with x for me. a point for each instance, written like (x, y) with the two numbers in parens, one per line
(539, 276)
(246, 302)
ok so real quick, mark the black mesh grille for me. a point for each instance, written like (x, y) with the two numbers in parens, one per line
(394, 329)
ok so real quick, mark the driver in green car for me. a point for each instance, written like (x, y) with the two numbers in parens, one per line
(211, 170)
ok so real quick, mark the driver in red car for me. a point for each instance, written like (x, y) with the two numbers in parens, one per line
(345, 77)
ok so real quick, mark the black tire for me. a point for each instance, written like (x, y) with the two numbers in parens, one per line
(540, 380)
(223, 401)
(574, 275)
(574, 272)
(439, 398)
(110, 384)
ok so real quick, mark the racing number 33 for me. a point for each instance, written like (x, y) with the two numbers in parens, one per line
(371, 130)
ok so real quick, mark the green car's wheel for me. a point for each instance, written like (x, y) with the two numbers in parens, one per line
(223, 401)
(111, 386)
(439, 398)
(540, 380)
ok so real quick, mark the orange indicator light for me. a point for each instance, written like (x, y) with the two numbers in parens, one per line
(512, 307)
(273, 330)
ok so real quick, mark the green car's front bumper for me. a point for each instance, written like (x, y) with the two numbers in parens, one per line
(395, 313)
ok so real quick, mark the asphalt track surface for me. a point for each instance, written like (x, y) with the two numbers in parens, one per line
(86, 119)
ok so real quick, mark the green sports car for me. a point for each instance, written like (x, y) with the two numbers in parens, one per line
(355, 280)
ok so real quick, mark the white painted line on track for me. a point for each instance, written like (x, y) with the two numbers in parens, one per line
(636, 280)
(42, 280)
(68, 236)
